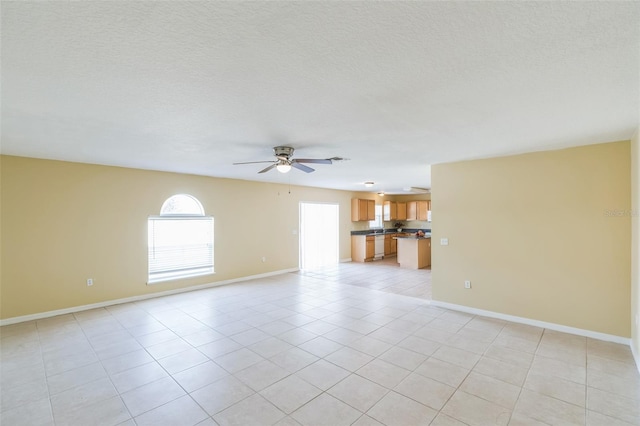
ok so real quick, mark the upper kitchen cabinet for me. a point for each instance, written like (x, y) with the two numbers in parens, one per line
(362, 210)
(390, 210)
(402, 211)
(418, 210)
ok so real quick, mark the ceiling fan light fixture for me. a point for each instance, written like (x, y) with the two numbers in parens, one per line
(283, 168)
(381, 194)
(368, 184)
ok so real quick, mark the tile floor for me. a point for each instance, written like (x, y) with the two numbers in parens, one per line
(302, 349)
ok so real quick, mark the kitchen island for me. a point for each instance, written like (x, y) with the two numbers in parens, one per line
(414, 252)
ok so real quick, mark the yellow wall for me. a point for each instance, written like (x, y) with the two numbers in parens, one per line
(66, 222)
(635, 245)
(533, 235)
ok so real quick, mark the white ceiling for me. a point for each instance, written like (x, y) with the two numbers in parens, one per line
(394, 86)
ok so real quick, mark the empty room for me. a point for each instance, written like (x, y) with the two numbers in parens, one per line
(319, 213)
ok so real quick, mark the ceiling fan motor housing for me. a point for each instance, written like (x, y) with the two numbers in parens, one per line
(283, 151)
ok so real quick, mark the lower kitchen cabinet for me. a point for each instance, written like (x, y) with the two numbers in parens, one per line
(362, 248)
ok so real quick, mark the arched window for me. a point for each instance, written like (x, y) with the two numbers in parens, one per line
(180, 240)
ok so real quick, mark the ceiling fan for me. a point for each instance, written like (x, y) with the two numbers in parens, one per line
(284, 161)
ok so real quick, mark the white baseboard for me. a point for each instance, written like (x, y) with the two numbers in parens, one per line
(41, 315)
(535, 323)
(636, 355)
(348, 259)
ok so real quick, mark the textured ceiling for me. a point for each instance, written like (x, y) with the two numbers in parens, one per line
(394, 86)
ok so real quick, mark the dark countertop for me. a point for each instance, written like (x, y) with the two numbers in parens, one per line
(391, 231)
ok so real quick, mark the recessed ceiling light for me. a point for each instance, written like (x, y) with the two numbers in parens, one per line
(368, 184)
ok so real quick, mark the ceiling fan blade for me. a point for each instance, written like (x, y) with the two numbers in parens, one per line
(313, 160)
(302, 167)
(252, 162)
(268, 168)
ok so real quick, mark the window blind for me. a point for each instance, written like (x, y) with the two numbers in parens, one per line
(180, 247)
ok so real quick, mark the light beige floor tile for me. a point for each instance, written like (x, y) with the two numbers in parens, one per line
(520, 420)
(200, 376)
(501, 370)
(549, 410)
(138, 376)
(250, 336)
(343, 336)
(219, 347)
(270, 347)
(522, 331)
(473, 411)
(383, 373)
(290, 394)
(349, 359)
(491, 389)
(551, 367)
(287, 421)
(616, 368)
(151, 395)
(30, 392)
(221, 394)
(83, 395)
(182, 361)
(389, 336)
(398, 410)
(326, 410)
(469, 344)
(254, 410)
(628, 386)
(32, 413)
(444, 420)
(203, 337)
(358, 392)
(320, 346)
(73, 378)
(404, 358)
(613, 405)
(609, 350)
(370, 346)
(293, 359)
(238, 360)
(111, 411)
(510, 356)
(261, 375)
(126, 361)
(443, 372)
(365, 420)
(564, 354)
(419, 345)
(565, 390)
(322, 374)
(425, 390)
(516, 344)
(183, 411)
(599, 419)
(165, 349)
(459, 357)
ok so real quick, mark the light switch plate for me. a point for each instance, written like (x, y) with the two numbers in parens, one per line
(444, 241)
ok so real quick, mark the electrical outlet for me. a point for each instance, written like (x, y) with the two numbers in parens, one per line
(264, 259)
(467, 284)
(444, 241)
(89, 282)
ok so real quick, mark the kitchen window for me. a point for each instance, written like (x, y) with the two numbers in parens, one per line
(180, 240)
(377, 222)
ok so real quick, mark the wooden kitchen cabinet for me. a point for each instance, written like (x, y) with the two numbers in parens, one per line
(362, 248)
(390, 244)
(390, 210)
(362, 210)
(417, 210)
(402, 211)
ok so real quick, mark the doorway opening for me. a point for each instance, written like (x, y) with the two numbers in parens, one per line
(318, 235)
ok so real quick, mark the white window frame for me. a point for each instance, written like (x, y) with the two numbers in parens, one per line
(377, 223)
(171, 262)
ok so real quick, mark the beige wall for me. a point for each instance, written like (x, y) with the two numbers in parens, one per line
(65, 222)
(533, 235)
(635, 244)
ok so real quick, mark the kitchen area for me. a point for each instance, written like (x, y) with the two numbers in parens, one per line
(397, 228)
